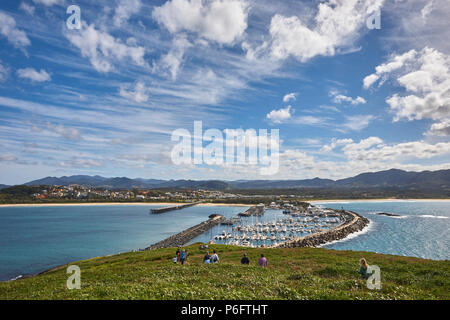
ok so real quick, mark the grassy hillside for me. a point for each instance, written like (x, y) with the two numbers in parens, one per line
(306, 273)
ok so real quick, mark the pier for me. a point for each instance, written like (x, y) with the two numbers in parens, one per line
(176, 207)
(187, 235)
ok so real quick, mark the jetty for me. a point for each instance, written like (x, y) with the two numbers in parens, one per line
(187, 235)
(176, 207)
(257, 210)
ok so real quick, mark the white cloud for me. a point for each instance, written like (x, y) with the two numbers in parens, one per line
(402, 151)
(337, 25)
(290, 97)
(339, 98)
(310, 120)
(47, 2)
(335, 143)
(8, 29)
(125, 10)
(374, 149)
(217, 20)
(427, 9)
(139, 94)
(33, 75)
(80, 163)
(278, 116)
(419, 23)
(173, 60)
(370, 80)
(395, 63)
(353, 150)
(63, 131)
(440, 128)
(425, 76)
(102, 49)
(355, 123)
(27, 8)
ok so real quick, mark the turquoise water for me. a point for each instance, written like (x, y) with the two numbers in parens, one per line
(33, 239)
(423, 230)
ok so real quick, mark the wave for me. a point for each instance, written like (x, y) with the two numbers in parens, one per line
(431, 216)
(366, 229)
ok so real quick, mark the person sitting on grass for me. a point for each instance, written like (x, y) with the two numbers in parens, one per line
(262, 262)
(214, 257)
(363, 269)
(207, 258)
(245, 259)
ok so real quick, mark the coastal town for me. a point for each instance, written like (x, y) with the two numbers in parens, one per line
(83, 193)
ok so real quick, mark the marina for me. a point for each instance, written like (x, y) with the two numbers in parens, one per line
(275, 225)
(285, 225)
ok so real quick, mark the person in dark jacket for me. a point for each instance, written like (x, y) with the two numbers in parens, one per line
(207, 258)
(245, 259)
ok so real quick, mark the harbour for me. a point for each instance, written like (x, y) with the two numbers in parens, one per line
(316, 225)
(302, 225)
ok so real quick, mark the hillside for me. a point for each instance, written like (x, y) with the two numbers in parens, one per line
(306, 273)
(394, 178)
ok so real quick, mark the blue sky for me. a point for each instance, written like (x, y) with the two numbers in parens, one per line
(106, 98)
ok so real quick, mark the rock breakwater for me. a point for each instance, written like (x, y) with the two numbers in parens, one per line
(352, 222)
(187, 235)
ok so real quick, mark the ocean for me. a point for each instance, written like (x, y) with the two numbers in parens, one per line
(422, 230)
(33, 239)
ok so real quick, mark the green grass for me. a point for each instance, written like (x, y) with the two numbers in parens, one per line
(304, 273)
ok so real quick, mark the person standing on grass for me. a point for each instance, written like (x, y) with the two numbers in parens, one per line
(214, 257)
(178, 254)
(183, 256)
(262, 262)
(245, 259)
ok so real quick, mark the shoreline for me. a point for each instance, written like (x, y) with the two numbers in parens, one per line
(210, 204)
(120, 204)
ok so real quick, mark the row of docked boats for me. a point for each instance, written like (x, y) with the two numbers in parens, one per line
(270, 233)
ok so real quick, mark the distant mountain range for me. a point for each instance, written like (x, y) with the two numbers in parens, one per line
(393, 178)
(3, 186)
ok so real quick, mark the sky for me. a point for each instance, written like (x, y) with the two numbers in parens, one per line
(106, 98)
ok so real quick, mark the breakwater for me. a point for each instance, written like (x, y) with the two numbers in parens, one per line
(253, 211)
(187, 235)
(170, 208)
(352, 222)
